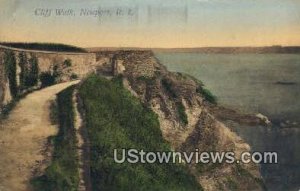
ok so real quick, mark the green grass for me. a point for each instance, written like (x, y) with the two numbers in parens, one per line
(205, 92)
(62, 174)
(44, 46)
(115, 120)
(182, 114)
(188, 76)
(207, 95)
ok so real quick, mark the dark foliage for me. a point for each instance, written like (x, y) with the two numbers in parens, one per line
(207, 95)
(47, 79)
(11, 72)
(23, 64)
(167, 84)
(44, 47)
(182, 113)
(32, 76)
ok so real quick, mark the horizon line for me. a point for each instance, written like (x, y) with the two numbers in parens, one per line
(139, 47)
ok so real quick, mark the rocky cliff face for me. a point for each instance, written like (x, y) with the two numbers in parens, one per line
(188, 120)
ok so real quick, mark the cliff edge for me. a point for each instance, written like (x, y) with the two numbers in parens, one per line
(190, 119)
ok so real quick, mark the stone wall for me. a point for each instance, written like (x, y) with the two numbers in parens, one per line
(82, 64)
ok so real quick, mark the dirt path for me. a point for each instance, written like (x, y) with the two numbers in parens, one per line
(23, 136)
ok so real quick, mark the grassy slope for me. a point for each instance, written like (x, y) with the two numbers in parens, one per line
(115, 119)
(62, 174)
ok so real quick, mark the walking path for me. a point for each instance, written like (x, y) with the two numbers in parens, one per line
(23, 136)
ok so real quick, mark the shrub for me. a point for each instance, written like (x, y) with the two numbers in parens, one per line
(23, 63)
(207, 95)
(74, 76)
(54, 113)
(11, 72)
(67, 63)
(47, 79)
(168, 87)
(33, 75)
(29, 74)
(182, 114)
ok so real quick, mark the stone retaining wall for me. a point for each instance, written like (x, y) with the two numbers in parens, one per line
(82, 64)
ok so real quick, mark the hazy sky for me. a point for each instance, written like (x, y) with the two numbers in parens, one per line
(152, 23)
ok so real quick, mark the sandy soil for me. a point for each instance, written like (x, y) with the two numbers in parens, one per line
(23, 137)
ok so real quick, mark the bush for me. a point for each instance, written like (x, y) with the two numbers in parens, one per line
(67, 63)
(29, 74)
(23, 63)
(168, 87)
(74, 76)
(11, 72)
(182, 114)
(47, 79)
(33, 75)
(207, 95)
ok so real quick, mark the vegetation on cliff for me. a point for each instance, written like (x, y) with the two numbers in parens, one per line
(62, 174)
(10, 64)
(207, 94)
(29, 73)
(115, 120)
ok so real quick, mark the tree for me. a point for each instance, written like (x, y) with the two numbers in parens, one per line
(11, 72)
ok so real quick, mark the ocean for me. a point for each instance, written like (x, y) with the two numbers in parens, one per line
(255, 83)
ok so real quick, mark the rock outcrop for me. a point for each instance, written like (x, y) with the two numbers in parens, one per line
(189, 121)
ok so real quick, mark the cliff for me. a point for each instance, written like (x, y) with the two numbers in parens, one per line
(189, 119)
(188, 115)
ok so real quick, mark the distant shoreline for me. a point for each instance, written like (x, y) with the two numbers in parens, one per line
(57, 47)
(212, 50)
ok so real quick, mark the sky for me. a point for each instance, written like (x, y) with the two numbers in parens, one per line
(152, 23)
